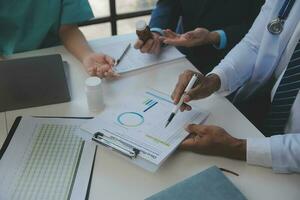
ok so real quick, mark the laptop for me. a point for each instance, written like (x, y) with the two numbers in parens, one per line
(31, 82)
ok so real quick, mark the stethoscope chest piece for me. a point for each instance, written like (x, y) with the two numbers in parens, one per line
(275, 27)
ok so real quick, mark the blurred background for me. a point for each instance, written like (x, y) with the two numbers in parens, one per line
(114, 17)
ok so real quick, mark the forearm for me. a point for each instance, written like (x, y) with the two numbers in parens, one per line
(74, 41)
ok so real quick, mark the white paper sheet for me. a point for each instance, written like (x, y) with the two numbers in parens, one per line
(46, 160)
(134, 59)
(140, 123)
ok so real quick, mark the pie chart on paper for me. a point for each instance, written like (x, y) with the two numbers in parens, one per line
(130, 119)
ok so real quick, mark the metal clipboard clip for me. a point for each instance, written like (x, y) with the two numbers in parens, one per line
(116, 145)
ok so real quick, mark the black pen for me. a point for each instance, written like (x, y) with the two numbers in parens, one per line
(123, 54)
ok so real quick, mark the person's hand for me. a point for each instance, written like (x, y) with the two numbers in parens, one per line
(152, 46)
(204, 87)
(213, 140)
(100, 65)
(198, 37)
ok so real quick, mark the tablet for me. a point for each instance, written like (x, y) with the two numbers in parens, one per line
(34, 81)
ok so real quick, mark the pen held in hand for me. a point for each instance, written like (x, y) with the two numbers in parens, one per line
(177, 107)
(123, 55)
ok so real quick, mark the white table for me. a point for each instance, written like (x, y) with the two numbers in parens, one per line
(114, 178)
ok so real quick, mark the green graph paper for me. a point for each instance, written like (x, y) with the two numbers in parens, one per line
(50, 169)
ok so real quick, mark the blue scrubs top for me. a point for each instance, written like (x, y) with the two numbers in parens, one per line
(32, 24)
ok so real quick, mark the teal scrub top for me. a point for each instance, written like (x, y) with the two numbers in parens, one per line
(32, 24)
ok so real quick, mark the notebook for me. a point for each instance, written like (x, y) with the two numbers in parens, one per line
(45, 158)
(210, 184)
(34, 81)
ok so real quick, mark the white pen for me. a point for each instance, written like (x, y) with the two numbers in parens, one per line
(177, 107)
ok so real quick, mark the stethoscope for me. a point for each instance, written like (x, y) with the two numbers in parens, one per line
(276, 25)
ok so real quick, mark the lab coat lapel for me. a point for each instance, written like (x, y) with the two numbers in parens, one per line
(269, 54)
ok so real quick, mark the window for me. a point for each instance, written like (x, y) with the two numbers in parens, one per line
(114, 17)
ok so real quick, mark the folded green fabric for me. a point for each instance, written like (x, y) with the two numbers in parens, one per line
(210, 184)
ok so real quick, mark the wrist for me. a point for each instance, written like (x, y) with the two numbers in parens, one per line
(158, 31)
(214, 82)
(85, 55)
(238, 149)
(156, 35)
(214, 38)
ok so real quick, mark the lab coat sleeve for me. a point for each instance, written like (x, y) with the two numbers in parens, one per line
(285, 150)
(237, 67)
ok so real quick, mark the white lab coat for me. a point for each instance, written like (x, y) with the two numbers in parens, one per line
(250, 65)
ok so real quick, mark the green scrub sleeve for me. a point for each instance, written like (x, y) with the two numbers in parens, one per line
(75, 11)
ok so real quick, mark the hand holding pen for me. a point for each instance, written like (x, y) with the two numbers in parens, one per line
(177, 107)
(123, 55)
(191, 86)
(98, 64)
(117, 62)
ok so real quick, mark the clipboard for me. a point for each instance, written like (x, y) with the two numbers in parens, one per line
(135, 129)
(15, 127)
(124, 150)
(116, 145)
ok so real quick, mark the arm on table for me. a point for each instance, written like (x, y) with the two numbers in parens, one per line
(95, 64)
(280, 152)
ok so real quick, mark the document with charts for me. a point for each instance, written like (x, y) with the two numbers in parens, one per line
(140, 122)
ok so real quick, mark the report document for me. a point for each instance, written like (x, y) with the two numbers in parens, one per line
(139, 122)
